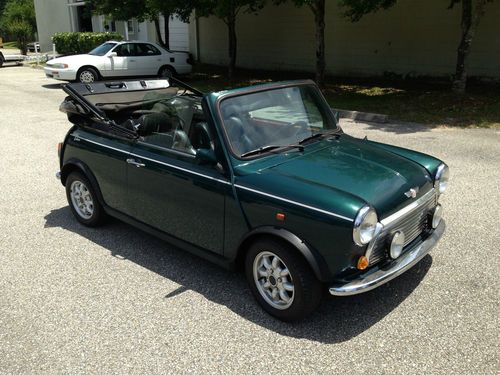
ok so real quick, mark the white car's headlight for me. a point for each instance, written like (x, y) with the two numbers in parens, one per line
(364, 226)
(59, 66)
(442, 177)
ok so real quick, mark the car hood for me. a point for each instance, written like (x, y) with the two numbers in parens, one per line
(358, 168)
(73, 59)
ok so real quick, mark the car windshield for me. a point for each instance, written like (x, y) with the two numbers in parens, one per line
(275, 119)
(102, 49)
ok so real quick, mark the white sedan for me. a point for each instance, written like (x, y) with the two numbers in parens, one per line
(119, 59)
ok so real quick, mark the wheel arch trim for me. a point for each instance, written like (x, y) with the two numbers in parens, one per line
(313, 258)
(74, 164)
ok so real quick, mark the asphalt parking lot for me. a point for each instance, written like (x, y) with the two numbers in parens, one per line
(116, 300)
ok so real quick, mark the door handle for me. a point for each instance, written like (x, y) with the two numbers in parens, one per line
(136, 163)
(132, 60)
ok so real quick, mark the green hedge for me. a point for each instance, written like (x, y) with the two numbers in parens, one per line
(76, 43)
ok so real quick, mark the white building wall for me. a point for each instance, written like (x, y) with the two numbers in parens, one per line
(52, 16)
(413, 37)
(179, 34)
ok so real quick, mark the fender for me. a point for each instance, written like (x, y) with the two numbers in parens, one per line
(75, 164)
(314, 259)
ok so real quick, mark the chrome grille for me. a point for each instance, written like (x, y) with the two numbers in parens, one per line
(412, 224)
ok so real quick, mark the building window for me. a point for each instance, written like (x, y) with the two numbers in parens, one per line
(110, 26)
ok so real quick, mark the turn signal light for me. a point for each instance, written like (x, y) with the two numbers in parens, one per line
(59, 148)
(362, 263)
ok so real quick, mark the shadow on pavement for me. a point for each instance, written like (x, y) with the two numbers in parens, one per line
(337, 320)
(400, 127)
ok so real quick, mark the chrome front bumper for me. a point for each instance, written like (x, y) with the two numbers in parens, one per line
(396, 268)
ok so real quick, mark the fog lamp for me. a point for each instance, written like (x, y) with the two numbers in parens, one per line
(397, 243)
(436, 217)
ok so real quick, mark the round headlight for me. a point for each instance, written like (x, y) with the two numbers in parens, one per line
(442, 177)
(436, 217)
(364, 226)
(397, 244)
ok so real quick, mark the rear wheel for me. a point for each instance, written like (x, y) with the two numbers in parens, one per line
(281, 281)
(83, 201)
(166, 72)
(87, 75)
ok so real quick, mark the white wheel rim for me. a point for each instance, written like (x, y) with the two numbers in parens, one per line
(273, 280)
(82, 200)
(87, 77)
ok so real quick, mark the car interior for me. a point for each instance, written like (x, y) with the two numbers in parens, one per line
(161, 118)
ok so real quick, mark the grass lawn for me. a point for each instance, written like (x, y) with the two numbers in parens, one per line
(423, 101)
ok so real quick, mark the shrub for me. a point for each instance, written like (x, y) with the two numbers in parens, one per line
(76, 43)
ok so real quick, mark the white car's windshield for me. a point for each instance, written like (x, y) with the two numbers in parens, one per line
(102, 49)
(274, 118)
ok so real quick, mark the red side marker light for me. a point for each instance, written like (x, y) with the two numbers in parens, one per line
(280, 216)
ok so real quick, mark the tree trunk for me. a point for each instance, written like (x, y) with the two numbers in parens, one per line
(158, 32)
(167, 30)
(319, 20)
(470, 21)
(233, 44)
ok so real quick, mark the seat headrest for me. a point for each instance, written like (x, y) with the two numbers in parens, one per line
(202, 136)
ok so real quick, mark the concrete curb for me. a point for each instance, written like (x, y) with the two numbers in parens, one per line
(362, 116)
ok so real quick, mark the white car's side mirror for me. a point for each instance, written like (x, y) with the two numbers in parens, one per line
(112, 54)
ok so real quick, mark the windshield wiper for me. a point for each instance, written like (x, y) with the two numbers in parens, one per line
(270, 148)
(318, 135)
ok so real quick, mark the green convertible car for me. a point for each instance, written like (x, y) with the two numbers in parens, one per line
(260, 179)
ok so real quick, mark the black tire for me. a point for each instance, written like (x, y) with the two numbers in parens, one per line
(93, 217)
(87, 75)
(166, 72)
(1, 60)
(307, 292)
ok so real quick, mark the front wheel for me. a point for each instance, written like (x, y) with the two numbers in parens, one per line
(83, 201)
(281, 280)
(87, 75)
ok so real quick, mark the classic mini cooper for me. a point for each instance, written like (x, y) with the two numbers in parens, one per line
(260, 179)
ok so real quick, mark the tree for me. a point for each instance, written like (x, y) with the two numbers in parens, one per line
(123, 10)
(318, 9)
(19, 20)
(228, 11)
(168, 8)
(472, 12)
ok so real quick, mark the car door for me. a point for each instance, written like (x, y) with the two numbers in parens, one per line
(95, 142)
(149, 59)
(169, 191)
(124, 63)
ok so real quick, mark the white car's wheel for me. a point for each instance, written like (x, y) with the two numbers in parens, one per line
(166, 72)
(87, 75)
